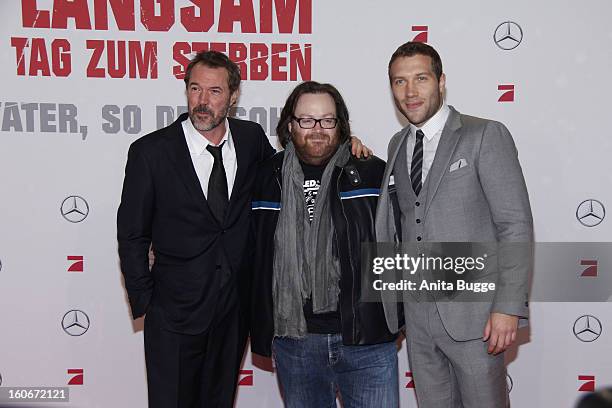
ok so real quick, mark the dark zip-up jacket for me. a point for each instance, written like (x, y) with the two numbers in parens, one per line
(354, 194)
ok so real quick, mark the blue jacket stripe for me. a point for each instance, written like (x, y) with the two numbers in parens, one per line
(364, 192)
(265, 205)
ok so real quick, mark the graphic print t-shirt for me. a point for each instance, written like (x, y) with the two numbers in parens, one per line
(320, 323)
(312, 183)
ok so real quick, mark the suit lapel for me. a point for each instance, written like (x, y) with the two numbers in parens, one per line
(446, 147)
(242, 157)
(385, 225)
(394, 151)
(181, 160)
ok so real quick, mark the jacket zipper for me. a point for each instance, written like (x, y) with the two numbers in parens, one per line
(276, 177)
(348, 238)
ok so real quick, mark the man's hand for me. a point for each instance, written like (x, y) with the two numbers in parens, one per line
(359, 149)
(500, 331)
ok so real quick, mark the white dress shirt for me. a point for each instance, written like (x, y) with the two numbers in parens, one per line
(203, 160)
(432, 129)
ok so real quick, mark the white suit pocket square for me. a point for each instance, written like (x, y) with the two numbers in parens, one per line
(457, 165)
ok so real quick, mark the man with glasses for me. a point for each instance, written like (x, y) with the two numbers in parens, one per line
(313, 206)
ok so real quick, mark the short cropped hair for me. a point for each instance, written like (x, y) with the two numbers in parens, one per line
(411, 49)
(216, 59)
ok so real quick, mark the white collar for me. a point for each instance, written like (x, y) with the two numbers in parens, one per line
(197, 143)
(435, 124)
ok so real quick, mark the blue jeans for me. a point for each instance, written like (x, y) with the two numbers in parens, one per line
(310, 371)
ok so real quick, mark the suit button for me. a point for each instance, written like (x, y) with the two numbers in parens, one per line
(418, 238)
(417, 203)
(418, 220)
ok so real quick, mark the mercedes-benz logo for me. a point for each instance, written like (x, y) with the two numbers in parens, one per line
(587, 328)
(590, 212)
(509, 383)
(74, 208)
(508, 35)
(75, 322)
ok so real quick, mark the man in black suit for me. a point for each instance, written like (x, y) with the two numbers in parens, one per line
(186, 193)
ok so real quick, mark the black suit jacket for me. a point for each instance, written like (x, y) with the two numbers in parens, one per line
(163, 204)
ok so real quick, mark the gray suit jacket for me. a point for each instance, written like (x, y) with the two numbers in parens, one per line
(485, 200)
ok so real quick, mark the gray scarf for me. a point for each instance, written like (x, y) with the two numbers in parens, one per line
(304, 265)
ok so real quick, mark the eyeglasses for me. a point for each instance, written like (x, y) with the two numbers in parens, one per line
(310, 123)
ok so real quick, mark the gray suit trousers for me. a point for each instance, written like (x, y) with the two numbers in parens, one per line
(447, 372)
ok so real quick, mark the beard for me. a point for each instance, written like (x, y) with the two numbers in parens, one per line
(314, 154)
(215, 120)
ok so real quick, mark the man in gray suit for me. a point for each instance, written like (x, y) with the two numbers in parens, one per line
(454, 178)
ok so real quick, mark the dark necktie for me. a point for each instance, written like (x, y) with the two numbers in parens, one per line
(416, 166)
(217, 184)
